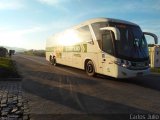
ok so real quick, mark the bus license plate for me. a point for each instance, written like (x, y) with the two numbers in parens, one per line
(140, 64)
(139, 73)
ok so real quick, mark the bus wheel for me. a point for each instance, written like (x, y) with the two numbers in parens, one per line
(53, 60)
(50, 59)
(90, 68)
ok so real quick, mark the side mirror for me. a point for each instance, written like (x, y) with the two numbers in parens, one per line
(153, 35)
(114, 30)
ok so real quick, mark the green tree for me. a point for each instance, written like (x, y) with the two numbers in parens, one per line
(3, 52)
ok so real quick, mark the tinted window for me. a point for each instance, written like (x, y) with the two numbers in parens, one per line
(133, 45)
(107, 45)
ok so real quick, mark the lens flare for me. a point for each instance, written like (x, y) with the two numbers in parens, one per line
(68, 38)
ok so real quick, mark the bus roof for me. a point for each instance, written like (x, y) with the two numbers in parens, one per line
(105, 20)
(94, 20)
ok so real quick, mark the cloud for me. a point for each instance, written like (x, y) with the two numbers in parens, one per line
(53, 2)
(18, 38)
(58, 4)
(8, 34)
(32, 37)
(49, 2)
(10, 4)
(142, 6)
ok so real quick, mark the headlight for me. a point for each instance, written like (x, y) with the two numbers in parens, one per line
(123, 63)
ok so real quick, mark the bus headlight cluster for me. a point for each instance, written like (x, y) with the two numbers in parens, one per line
(123, 63)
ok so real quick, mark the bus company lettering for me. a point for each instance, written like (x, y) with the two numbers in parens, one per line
(75, 48)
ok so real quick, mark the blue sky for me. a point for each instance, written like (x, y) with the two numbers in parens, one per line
(28, 23)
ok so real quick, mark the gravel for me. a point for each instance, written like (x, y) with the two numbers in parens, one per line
(13, 104)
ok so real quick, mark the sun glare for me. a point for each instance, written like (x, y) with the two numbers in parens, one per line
(68, 38)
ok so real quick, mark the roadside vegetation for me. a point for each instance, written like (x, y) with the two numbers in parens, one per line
(40, 53)
(157, 70)
(3, 52)
(7, 68)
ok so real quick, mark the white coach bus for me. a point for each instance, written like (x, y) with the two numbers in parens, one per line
(111, 47)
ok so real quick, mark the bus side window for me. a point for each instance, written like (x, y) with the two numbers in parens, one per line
(100, 44)
(98, 33)
(107, 45)
(85, 34)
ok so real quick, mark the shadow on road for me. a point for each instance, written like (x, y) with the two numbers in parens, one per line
(82, 102)
(64, 79)
(150, 81)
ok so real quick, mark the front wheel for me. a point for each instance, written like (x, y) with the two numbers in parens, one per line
(90, 70)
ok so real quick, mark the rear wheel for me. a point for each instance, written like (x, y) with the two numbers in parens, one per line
(52, 60)
(90, 70)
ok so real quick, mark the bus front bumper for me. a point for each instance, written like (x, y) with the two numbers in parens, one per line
(126, 73)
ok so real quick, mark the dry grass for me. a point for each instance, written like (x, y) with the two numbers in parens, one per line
(7, 68)
(157, 70)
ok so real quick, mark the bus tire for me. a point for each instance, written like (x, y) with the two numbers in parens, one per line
(53, 60)
(90, 70)
(50, 59)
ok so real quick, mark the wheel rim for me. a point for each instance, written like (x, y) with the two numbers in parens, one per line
(89, 68)
(54, 61)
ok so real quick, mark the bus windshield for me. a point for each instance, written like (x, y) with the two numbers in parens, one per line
(132, 44)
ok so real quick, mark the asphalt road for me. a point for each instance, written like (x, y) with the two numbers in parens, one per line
(64, 91)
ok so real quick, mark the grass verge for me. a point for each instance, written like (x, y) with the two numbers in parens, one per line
(7, 68)
(40, 53)
(157, 70)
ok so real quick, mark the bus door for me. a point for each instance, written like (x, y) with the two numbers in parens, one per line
(108, 52)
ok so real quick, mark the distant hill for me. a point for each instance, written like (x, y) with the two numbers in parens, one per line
(15, 48)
